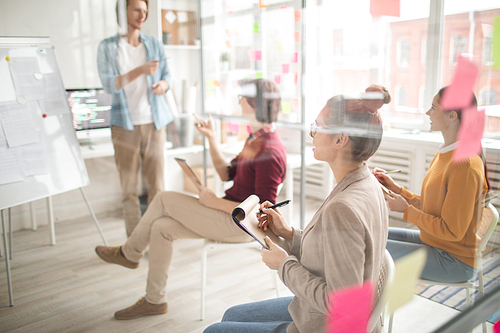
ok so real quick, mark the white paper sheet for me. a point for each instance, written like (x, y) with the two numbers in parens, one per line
(54, 101)
(10, 166)
(6, 85)
(18, 125)
(34, 159)
(23, 71)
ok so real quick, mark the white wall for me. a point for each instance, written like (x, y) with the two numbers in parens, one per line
(75, 28)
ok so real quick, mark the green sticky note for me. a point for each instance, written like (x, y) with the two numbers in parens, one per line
(258, 75)
(256, 27)
(407, 272)
(496, 43)
(278, 46)
(285, 107)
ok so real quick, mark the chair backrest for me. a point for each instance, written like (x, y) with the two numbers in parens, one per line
(486, 227)
(385, 279)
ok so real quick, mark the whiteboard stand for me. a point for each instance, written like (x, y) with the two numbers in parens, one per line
(52, 229)
(7, 263)
(32, 216)
(94, 217)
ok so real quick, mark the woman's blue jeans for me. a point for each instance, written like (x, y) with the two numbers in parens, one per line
(270, 316)
(440, 265)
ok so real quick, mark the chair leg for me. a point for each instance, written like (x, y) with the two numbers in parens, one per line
(391, 318)
(204, 258)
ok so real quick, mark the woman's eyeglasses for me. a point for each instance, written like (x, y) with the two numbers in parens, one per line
(314, 128)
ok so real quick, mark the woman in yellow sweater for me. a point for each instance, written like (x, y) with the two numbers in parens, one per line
(448, 210)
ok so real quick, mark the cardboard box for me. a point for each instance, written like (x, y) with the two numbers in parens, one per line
(198, 170)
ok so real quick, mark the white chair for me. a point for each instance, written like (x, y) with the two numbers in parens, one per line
(209, 245)
(485, 230)
(384, 283)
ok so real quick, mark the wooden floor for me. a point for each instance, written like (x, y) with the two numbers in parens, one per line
(67, 288)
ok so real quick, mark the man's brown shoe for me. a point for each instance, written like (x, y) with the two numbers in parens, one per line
(141, 308)
(113, 255)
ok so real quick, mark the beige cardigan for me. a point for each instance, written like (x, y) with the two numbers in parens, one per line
(342, 245)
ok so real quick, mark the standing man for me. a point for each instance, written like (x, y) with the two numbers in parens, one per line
(133, 69)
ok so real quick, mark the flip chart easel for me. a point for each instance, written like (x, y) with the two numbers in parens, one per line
(39, 152)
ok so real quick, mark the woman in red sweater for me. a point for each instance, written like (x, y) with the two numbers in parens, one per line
(448, 210)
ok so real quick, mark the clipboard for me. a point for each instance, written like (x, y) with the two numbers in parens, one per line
(245, 217)
(188, 171)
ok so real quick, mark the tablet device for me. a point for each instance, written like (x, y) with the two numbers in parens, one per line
(188, 171)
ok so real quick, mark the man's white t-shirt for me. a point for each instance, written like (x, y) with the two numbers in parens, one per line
(136, 92)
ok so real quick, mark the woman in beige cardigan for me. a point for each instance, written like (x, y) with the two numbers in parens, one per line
(343, 244)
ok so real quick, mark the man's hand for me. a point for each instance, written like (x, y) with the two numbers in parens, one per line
(150, 67)
(159, 88)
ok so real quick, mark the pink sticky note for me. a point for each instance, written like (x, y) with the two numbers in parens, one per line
(496, 328)
(277, 78)
(470, 133)
(258, 55)
(349, 309)
(251, 55)
(296, 36)
(459, 93)
(298, 15)
(294, 58)
(283, 7)
(286, 68)
(384, 7)
(295, 103)
(233, 127)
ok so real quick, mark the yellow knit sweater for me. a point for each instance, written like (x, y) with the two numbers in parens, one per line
(450, 206)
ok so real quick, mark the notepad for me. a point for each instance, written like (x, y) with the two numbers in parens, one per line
(245, 217)
(188, 171)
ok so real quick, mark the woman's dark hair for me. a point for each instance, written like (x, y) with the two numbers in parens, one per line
(473, 102)
(264, 96)
(128, 1)
(360, 119)
(458, 111)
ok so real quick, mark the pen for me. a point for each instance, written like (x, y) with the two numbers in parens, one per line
(393, 171)
(278, 205)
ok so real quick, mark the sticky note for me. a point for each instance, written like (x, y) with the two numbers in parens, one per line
(258, 75)
(294, 58)
(496, 42)
(285, 107)
(217, 84)
(283, 7)
(262, 3)
(295, 77)
(384, 7)
(285, 68)
(278, 46)
(258, 55)
(349, 309)
(233, 127)
(407, 271)
(296, 36)
(297, 16)
(470, 133)
(228, 44)
(295, 103)
(459, 93)
(277, 78)
(256, 27)
(229, 9)
(496, 328)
